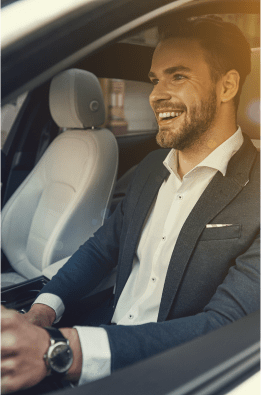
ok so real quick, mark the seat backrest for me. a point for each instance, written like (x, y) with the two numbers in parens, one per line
(66, 197)
(249, 106)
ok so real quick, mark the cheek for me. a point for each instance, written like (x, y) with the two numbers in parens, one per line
(190, 96)
(192, 92)
(184, 93)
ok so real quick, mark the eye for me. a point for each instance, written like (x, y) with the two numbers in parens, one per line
(178, 77)
(154, 81)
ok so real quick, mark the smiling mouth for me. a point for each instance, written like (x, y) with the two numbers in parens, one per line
(167, 116)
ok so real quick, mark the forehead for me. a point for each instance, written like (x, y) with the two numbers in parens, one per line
(179, 52)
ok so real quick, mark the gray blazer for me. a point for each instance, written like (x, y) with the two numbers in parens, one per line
(213, 275)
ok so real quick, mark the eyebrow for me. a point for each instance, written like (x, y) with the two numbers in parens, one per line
(170, 70)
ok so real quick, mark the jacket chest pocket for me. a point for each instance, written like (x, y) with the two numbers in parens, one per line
(220, 232)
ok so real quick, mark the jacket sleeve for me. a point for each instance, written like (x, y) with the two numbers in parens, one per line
(236, 297)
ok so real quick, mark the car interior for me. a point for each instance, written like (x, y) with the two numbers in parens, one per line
(70, 188)
(66, 196)
(64, 171)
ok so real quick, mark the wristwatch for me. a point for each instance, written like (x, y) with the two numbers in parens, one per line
(59, 356)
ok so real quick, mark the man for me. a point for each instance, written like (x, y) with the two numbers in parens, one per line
(185, 238)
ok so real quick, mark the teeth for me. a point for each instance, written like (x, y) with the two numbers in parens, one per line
(169, 114)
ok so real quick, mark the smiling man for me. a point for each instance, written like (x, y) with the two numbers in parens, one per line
(184, 98)
(184, 240)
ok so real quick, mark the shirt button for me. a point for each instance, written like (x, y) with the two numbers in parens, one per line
(164, 238)
(180, 197)
(153, 279)
(131, 316)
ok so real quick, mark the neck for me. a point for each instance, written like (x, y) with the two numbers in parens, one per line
(192, 156)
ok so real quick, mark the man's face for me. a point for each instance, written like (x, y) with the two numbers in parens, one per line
(184, 97)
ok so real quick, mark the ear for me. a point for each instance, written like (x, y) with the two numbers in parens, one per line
(230, 85)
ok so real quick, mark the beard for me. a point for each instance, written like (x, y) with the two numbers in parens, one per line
(192, 128)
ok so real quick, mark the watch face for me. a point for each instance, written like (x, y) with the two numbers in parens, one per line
(60, 357)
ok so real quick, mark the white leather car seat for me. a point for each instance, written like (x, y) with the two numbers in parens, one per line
(66, 197)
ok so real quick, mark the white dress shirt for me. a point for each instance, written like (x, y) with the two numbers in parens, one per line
(140, 299)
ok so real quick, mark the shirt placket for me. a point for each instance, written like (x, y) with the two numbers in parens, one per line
(156, 279)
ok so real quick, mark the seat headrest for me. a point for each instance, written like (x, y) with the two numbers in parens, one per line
(248, 114)
(76, 100)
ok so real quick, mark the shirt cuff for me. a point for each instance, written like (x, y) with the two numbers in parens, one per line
(53, 301)
(96, 353)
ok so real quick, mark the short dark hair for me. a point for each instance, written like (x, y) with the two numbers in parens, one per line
(225, 46)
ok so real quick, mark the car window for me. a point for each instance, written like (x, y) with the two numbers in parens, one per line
(127, 106)
(9, 113)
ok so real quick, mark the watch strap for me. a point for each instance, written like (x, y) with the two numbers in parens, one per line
(55, 334)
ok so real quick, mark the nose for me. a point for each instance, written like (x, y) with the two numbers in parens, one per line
(160, 92)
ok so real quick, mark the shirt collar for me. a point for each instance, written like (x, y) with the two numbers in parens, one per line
(218, 159)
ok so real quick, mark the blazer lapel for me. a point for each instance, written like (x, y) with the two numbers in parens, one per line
(215, 198)
(143, 204)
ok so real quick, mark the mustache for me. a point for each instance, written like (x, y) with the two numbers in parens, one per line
(169, 106)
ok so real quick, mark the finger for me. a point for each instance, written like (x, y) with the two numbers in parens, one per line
(9, 384)
(8, 367)
(8, 344)
(7, 310)
(9, 318)
(15, 376)
(5, 381)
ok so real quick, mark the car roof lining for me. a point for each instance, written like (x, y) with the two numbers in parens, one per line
(189, 9)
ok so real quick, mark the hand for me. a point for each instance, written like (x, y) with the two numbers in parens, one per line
(40, 315)
(23, 348)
